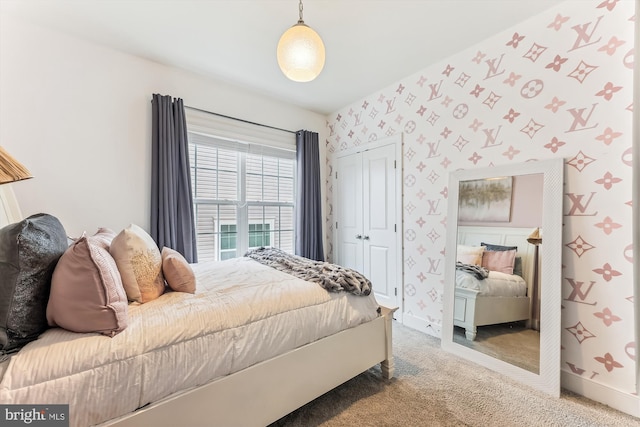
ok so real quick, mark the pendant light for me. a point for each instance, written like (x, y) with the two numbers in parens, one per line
(301, 52)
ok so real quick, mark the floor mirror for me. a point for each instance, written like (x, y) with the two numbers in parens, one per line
(502, 290)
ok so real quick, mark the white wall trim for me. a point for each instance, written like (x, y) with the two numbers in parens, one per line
(398, 141)
(627, 403)
(635, 190)
(393, 139)
(411, 321)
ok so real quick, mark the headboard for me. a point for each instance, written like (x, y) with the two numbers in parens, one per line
(506, 236)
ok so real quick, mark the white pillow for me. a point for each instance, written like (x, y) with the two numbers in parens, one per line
(140, 264)
(469, 254)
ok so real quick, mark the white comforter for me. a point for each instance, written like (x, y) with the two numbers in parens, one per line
(242, 313)
(497, 284)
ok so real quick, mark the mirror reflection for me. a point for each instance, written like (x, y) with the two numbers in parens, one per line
(497, 290)
(500, 216)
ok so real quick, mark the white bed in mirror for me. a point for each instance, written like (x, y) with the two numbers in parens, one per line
(9, 209)
(547, 377)
(472, 309)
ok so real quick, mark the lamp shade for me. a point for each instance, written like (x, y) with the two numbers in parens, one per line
(301, 53)
(535, 238)
(10, 169)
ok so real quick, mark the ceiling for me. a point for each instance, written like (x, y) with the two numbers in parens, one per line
(370, 44)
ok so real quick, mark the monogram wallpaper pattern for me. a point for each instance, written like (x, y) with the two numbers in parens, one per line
(558, 85)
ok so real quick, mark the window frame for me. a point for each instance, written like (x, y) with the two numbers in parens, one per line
(241, 203)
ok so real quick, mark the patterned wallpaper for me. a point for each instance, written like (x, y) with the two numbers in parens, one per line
(558, 85)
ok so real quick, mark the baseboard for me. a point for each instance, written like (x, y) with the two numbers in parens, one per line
(624, 402)
(422, 325)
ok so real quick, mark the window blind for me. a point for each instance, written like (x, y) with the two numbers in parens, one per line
(243, 192)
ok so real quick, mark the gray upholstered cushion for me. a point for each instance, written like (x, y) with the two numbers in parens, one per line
(29, 251)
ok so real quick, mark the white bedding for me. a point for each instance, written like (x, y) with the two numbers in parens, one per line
(242, 313)
(497, 284)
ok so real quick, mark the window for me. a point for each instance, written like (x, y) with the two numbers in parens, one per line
(259, 235)
(243, 196)
(228, 243)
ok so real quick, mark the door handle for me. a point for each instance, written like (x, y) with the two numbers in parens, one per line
(358, 236)
(366, 237)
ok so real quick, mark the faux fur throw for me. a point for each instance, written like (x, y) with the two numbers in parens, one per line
(332, 277)
(480, 273)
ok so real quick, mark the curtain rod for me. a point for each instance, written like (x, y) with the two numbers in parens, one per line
(240, 120)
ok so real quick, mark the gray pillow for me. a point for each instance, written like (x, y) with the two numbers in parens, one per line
(492, 247)
(29, 252)
(517, 267)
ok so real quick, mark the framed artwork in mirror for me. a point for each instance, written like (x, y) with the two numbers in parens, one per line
(491, 318)
(486, 199)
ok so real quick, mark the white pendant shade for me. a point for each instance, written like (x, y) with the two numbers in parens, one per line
(301, 53)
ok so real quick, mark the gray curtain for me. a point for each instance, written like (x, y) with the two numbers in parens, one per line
(172, 219)
(308, 199)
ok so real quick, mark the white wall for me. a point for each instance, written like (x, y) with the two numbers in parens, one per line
(78, 115)
(559, 85)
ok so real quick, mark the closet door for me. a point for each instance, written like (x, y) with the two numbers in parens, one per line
(366, 219)
(349, 206)
(379, 222)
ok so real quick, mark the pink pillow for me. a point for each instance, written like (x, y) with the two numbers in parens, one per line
(86, 290)
(502, 261)
(177, 271)
(104, 236)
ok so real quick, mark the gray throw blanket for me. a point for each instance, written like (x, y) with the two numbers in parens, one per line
(332, 277)
(480, 273)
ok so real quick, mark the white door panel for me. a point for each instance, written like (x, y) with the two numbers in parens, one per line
(377, 173)
(349, 222)
(379, 269)
(351, 255)
(379, 222)
(351, 201)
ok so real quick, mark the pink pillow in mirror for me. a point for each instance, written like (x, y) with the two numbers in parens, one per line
(502, 261)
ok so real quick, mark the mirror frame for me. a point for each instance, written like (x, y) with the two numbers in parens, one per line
(548, 379)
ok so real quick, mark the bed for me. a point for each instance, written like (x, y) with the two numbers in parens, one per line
(500, 297)
(249, 346)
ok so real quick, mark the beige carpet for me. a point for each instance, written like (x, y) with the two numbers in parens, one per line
(435, 388)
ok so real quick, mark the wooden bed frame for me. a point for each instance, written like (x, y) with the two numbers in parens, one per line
(267, 391)
(472, 310)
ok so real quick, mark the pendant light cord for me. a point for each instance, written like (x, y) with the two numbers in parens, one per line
(300, 21)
